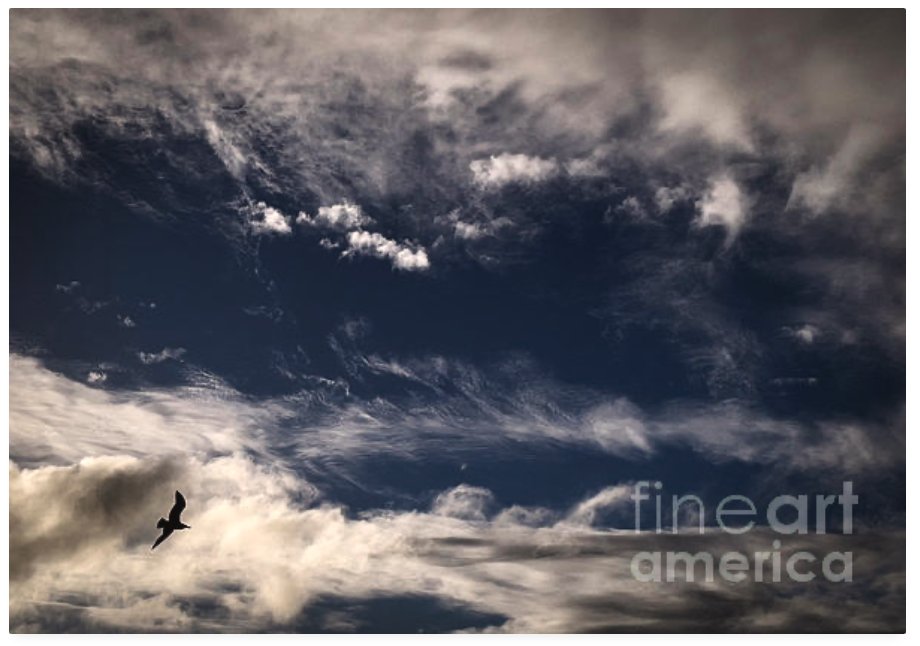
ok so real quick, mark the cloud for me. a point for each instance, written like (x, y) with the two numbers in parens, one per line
(497, 171)
(835, 183)
(470, 230)
(165, 354)
(465, 502)
(96, 377)
(695, 103)
(68, 288)
(341, 217)
(263, 549)
(584, 167)
(472, 411)
(724, 204)
(264, 546)
(806, 334)
(667, 196)
(632, 207)
(588, 511)
(267, 220)
(57, 420)
(626, 101)
(374, 244)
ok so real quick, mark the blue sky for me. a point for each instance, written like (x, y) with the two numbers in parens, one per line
(411, 282)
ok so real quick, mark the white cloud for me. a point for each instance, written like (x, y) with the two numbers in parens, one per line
(267, 220)
(96, 377)
(232, 157)
(469, 230)
(618, 427)
(667, 196)
(696, 102)
(374, 244)
(126, 321)
(608, 499)
(58, 418)
(806, 334)
(723, 204)
(68, 288)
(472, 230)
(263, 547)
(464, 501)
(832, 185)
(632, 207)
(161, 356)
(497, 171)
(341, 217)
(584, 167)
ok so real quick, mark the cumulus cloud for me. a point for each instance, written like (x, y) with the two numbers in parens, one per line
(263, 549)
(497, 171)
(464, 501)
(402, 256)
(267, 220)
(724, 204)
(165, 354)
(96, 377)
(341, 217)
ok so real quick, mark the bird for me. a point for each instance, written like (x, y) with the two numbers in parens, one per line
(171, 525)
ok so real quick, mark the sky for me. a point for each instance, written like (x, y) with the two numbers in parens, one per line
(407, 302)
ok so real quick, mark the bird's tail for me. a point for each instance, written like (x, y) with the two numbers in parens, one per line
(161, 523)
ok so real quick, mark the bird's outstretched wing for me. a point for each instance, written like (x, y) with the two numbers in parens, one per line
(176, 511)
(166, 534)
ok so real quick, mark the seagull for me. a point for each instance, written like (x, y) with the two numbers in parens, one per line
(171, 525)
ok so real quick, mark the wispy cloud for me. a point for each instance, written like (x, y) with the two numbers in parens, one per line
(469, 410)
(165, 354)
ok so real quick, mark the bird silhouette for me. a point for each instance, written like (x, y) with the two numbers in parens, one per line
(171, 525)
